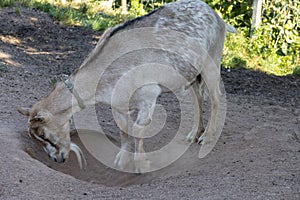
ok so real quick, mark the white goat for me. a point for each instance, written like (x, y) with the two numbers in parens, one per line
(186, 35)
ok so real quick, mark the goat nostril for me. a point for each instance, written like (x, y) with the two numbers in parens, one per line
(55, 160)
(63, 157)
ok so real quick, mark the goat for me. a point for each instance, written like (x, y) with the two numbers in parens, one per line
(186, 35)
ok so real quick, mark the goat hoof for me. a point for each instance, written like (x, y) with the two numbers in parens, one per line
(122, 159)
(200, 139)
(194, 137)
(191, 137)
(142, 165)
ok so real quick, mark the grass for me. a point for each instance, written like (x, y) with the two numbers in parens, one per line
(3, 68)
(86, 14)
(296, 72)
(241, 51)
(9, 3)
(82, 15)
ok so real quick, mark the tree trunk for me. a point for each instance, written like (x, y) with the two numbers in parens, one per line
(256, 15)
(106, 5)
(124, 6)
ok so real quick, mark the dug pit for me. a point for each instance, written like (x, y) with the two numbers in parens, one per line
(98, 173)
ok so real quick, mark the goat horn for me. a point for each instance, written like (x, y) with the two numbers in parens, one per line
(80, 157)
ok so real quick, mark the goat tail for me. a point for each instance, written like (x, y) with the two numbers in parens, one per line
(230, 29)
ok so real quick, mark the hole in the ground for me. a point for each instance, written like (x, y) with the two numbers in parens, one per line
(98, 173)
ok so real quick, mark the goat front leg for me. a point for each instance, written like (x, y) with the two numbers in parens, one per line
(124, 156)
(147, 96)
(142, 164)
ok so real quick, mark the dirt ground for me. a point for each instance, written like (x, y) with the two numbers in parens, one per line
(256, 157)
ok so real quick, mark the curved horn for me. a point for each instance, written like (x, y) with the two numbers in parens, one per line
(80, 157)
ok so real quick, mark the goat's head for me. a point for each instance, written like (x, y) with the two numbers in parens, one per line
(53, 133)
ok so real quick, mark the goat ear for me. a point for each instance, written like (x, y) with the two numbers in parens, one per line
(24, 111)
(41, 117)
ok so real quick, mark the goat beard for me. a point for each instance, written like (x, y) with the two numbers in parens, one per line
(80, 157)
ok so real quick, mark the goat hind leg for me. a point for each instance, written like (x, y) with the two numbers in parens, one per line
(199, 129)
(212, 79)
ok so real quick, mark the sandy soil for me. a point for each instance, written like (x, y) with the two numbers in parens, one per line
(256, 157)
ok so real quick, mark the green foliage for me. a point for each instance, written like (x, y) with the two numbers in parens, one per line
(17, 10)
(296, 72)
(3, 68)
(281, 24)
(242, 51)
(5, 3)
(274, 46)
(142, 7)
(137, 8)
(85, 14)
(235, 12)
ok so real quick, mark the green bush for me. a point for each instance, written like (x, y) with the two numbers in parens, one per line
(235, 12)
(274, 46)
(296, 72)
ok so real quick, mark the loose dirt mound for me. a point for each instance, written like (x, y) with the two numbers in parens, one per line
(257, 156)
